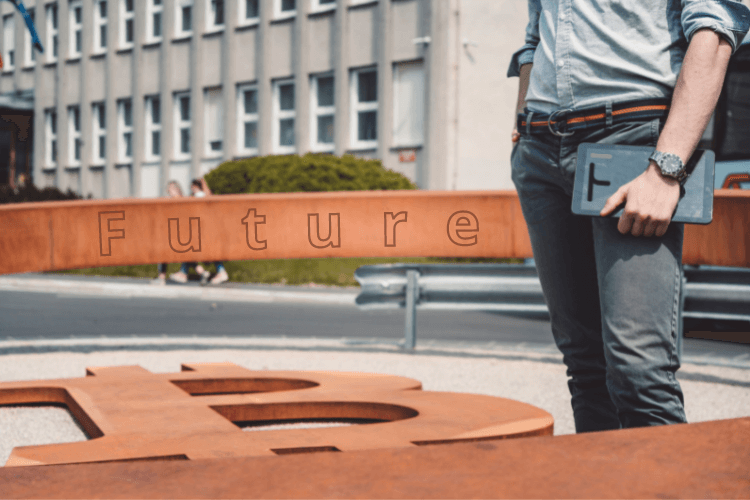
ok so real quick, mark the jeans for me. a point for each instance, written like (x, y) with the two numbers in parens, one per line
(613, 299)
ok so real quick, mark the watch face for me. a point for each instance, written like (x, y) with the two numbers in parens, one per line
(671, 165)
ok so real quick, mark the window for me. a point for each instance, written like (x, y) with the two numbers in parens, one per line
(28, 46)
(285, 8)
(127, 23)
(154, 20)
(408, 104)
(99, 134)
(322, 5)
(184, 18)
(247, 114)
(153, 128)
(322, 115)
(125, 125)
(9, 42)
(215, 15)
(364, 106)
(182, 125)
(50, 137)
(214, 120)
(76, 28)
(100, 26)
(284, 114)
(74, 135)
(249, 12)
(51, 13)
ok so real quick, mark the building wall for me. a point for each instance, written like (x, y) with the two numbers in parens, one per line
(354, 34)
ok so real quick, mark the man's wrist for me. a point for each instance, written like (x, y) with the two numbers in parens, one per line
(655, 171)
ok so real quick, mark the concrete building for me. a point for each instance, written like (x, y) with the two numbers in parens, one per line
(132, 93)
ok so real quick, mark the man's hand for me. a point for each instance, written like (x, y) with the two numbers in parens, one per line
(650, 201)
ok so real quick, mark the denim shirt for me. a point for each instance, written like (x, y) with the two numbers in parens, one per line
(588, 52)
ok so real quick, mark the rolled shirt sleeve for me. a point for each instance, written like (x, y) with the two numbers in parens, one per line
(728, 18)
(525, 55)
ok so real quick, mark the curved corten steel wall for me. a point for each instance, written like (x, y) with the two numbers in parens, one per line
(77, 234)
(132, 414)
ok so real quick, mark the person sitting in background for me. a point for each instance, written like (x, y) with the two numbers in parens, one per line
(181, 276)
(200, 188)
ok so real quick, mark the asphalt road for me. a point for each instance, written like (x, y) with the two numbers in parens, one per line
(31, 316)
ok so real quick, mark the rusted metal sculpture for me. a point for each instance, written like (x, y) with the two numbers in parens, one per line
(133, 414)
(705, 460)
(76, 234)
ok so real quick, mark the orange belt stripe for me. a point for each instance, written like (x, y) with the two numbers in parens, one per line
(661, 107)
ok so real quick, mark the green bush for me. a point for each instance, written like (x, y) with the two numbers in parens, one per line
(29, 193)
(308, 173)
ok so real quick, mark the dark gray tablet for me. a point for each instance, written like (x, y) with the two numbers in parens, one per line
(603, 168)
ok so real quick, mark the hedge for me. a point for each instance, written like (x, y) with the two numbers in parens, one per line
(308, 173)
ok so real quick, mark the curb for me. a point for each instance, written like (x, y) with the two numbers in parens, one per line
(112, 288)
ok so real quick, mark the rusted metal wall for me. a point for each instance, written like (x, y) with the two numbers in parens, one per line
(79, 234)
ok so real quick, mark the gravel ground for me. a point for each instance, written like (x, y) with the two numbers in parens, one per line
(535, 377)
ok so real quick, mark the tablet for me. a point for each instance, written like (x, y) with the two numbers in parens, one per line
(602, 168)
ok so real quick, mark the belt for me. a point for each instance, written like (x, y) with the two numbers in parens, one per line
(565, 122)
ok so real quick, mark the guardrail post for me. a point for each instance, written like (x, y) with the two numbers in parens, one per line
(412, 292)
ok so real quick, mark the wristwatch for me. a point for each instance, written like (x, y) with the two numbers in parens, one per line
(670, 165)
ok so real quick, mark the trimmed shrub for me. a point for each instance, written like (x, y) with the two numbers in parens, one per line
(308, 173)
(30, 192)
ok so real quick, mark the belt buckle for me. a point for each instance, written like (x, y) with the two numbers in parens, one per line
(554, 130)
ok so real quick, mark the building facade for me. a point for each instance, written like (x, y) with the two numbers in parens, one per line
(130, 94)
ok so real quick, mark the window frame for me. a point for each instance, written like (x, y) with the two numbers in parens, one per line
(242, 19)
(279, 114)
(74, 136)
(122, 130)
(52, 35)
(100, 22)
(152, 127)
(316, 7)
(73, 28)
(9, 53)
(211, 26)
(283, 14)
(244, 118)
(29, 56)
(98, 132)
(208, 151)
(51, 150)
(180, 124)
(126, 16)
(179, 5)
(317, 111)
(356, 107)
(152, 10)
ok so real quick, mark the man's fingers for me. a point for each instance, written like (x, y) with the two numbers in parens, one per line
(614, 201)
(638, 224)
(626, 222)
(662, 229)
(650, 228)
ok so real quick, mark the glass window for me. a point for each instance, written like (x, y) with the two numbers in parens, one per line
(153, 128)
(154, 16)
(247, 119)
(52, 31)
(182, 125)
(364, 109)
(125, 119)
(285, 114)
(184, 15)
(408, 104)
(323, 113)
(214, 119)
(99, 133)
(9, 42)
(100, 26)
(74, 134)
(215, 15)
(76, 28)
(50, 153)
(29, 51)
(127, 23)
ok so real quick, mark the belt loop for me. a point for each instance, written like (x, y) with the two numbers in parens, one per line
(528, 122)
(609, 114)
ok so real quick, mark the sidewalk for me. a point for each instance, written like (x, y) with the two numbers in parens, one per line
(98, 286)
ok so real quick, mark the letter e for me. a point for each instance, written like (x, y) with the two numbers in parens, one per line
(461, 223)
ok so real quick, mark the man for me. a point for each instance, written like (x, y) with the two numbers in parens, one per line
(635, 72)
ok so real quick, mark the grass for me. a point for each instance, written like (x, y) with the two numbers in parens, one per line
(331, 272)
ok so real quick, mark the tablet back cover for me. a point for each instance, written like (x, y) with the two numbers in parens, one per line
(602, 168)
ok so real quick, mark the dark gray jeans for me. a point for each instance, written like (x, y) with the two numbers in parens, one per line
(613, 298)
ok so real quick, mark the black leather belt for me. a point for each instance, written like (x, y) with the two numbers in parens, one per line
(565, 122)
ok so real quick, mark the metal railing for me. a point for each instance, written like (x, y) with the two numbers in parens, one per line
(711, 293)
